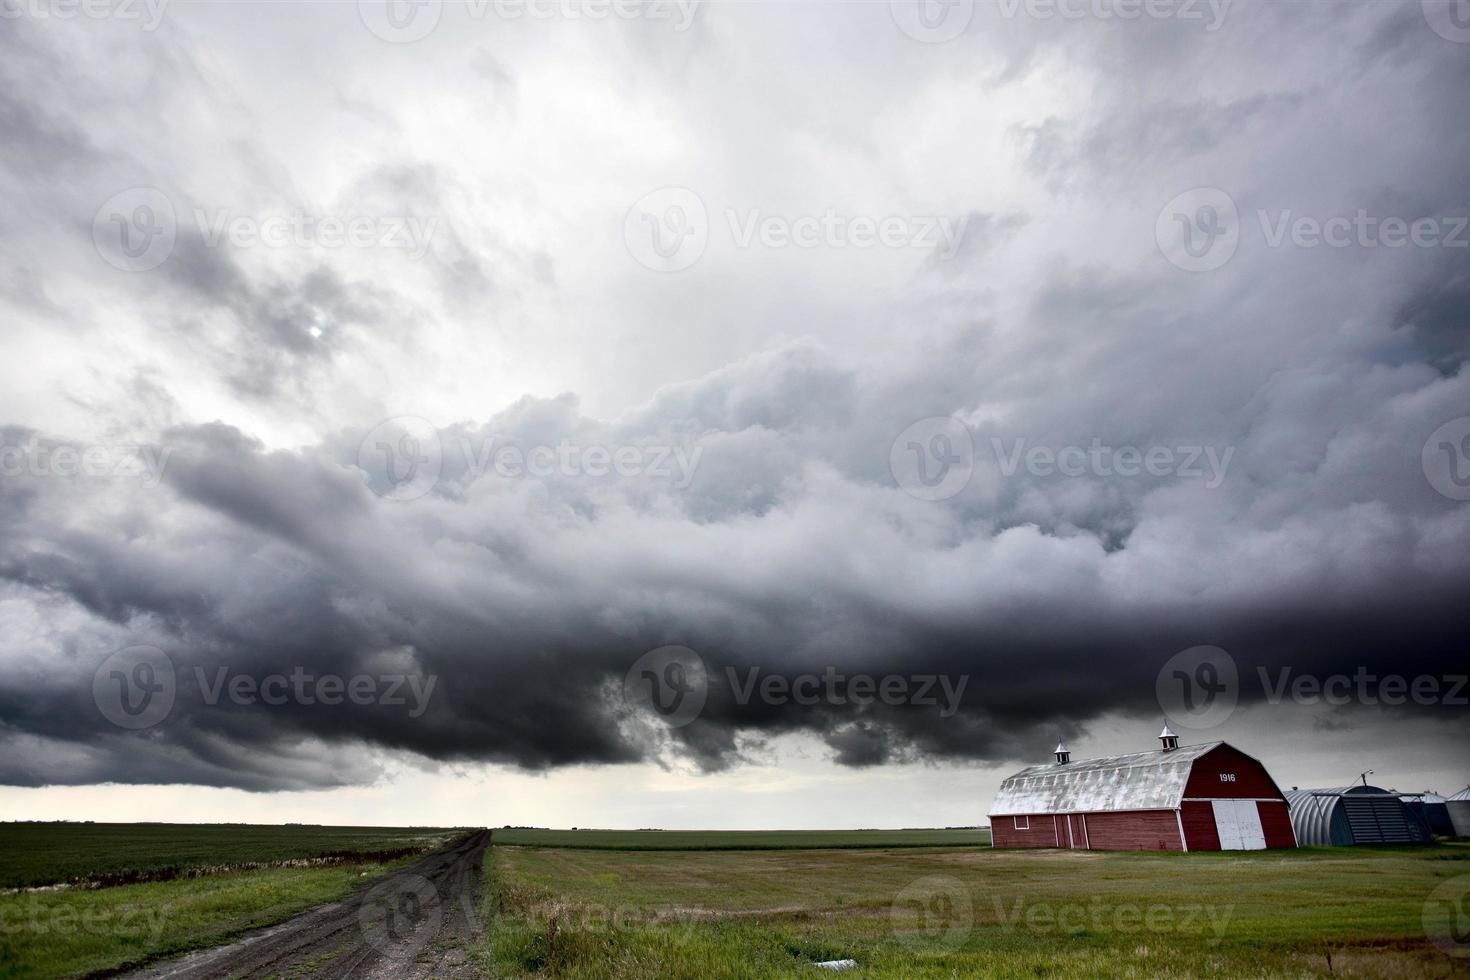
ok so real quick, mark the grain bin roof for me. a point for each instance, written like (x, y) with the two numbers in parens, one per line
(1463, 794)
(1140, 781)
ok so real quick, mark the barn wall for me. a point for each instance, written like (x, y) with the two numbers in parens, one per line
(1199, 825)
(1043, 832)
(1135, 830)
(1251, 781)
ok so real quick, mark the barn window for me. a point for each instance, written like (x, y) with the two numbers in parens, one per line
(1022, 823)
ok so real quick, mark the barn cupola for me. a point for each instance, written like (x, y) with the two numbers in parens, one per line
(1063, 754)
(1169, 740)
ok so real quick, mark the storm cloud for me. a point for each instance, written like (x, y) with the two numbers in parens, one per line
(1145, 457)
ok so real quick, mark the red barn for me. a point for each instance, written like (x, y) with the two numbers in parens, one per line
(1208, 797)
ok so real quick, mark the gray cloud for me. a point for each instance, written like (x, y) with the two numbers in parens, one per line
(268, 547)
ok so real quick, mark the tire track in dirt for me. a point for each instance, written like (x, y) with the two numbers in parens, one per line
(420, 922)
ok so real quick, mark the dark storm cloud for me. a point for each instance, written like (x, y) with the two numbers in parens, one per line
(789, 550)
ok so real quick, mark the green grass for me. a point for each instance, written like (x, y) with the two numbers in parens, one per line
(45, 853)
(742, 840)
(76, 932)
(595, 913)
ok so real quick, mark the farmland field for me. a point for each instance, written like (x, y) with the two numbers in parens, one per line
(81, 930)
(931, 912)
(46, 853)
(719, 840)
(727, 904)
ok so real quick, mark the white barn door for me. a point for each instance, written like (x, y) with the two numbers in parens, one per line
(1238, 823)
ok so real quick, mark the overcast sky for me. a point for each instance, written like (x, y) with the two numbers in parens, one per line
(455, 413)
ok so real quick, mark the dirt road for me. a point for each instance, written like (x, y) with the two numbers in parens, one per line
(418, 923)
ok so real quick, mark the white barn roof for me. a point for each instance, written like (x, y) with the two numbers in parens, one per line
(1141, 781)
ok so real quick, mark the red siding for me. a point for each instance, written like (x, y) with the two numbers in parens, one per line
(1135, 830)
(1276, 822)
(1043, 832)
(1199, 826)
(1251, 781)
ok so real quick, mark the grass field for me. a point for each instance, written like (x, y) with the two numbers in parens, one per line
(931, 912)
(738, 840)
(594, 904)
(80, 930)
(83, 931)
(46, 853)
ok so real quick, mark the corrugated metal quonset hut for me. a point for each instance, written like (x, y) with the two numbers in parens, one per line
(1345, 815)
(1458, 806)
(1432, 810)
(1208, 797)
